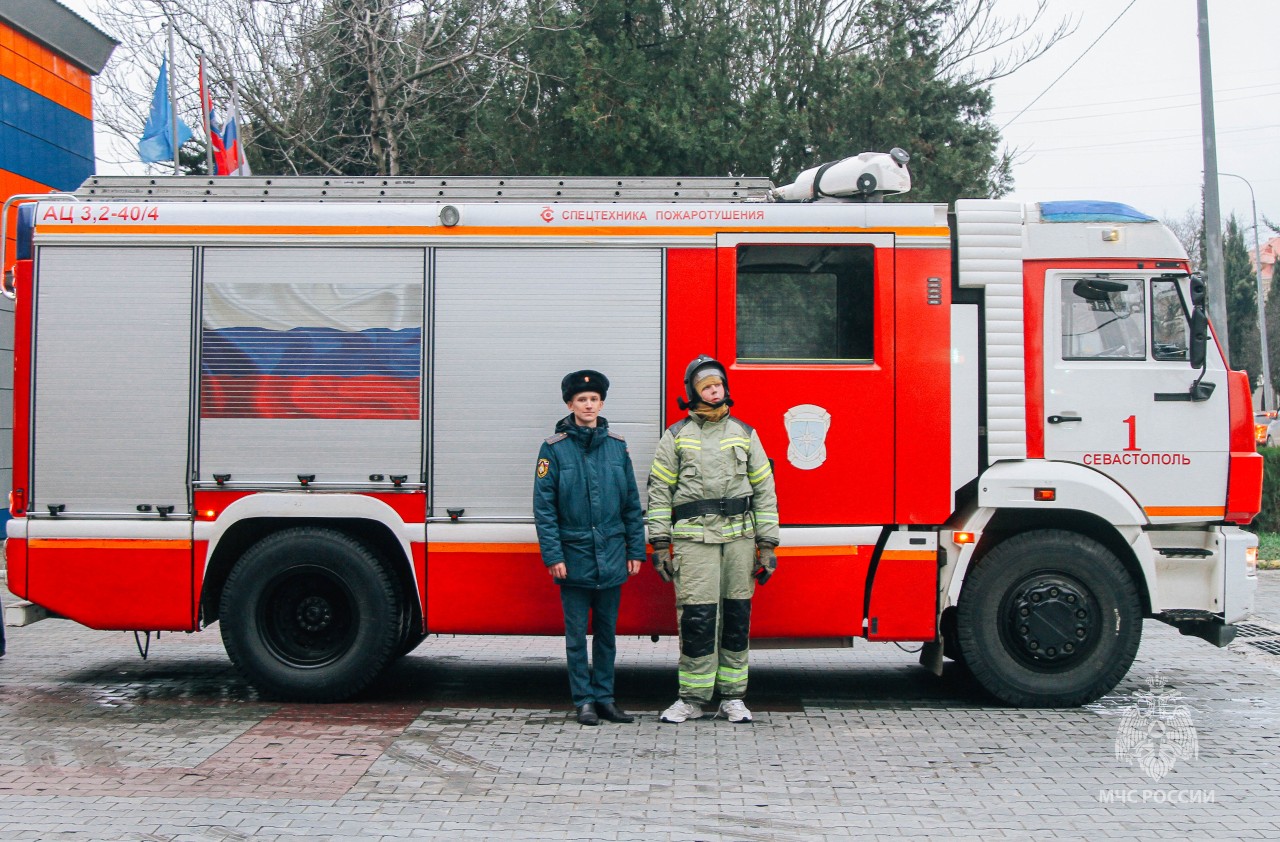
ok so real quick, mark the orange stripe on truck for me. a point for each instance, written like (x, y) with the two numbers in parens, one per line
(816, 551)
(101, 544)
(908, 555)
(450, 547)
(461, 547)
(1185, 511)
(144, 229)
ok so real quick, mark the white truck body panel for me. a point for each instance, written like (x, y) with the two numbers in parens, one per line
(990, 258)
(965, 377)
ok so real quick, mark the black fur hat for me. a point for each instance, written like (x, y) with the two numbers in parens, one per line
(583, 381)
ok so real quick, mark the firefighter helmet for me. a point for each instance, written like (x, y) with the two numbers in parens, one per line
(703, 365)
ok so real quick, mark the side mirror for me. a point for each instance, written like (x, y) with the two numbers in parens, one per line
(1199, 330)
(1198, 291)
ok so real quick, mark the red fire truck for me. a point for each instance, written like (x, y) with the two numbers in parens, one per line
(309, 410)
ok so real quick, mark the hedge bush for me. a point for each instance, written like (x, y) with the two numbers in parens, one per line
(1268, 520)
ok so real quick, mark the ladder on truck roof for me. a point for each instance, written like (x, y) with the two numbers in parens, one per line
(309, 188)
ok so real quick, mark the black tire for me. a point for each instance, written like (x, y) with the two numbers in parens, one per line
(411, 633)
(1049, 619)
(950, 640)
(308, 614)
(413, 641)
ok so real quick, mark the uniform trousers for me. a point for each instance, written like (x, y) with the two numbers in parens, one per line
(590, 682)
(714, 587)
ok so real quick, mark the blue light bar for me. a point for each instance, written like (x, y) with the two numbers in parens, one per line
(1086, 211)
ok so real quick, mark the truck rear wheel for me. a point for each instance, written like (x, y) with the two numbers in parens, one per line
(411, 633)
(1049, 619)
(308, 614)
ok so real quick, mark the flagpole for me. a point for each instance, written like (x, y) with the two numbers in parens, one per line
(208, 123)
(173, 106)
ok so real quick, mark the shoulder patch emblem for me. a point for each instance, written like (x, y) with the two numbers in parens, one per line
(544, 465)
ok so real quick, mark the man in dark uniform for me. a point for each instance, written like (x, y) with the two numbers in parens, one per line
(591, 534)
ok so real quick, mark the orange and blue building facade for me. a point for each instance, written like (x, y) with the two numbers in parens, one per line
(46, 118)
(48, 57)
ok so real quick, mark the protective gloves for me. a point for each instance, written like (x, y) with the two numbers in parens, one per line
(662, 559)
(766, 562)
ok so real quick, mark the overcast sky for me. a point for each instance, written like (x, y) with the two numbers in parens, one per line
(1123, 124)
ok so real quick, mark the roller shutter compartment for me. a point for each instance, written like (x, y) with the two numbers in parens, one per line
(311, 364)
(112, 392)
(509, 324)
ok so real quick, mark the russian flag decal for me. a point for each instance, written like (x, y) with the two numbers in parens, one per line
(311, 351)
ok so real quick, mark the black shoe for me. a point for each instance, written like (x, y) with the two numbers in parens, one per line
(613, 713)
(587, 714)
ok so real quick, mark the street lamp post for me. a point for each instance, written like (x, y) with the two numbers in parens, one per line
(1262, 316)
(1212, 214)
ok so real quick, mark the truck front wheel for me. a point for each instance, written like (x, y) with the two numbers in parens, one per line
(308, 614)
(1049, 619)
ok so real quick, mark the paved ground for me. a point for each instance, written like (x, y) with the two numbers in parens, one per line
(472, 737)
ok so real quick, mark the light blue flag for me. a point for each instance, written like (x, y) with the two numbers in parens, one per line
(157, 136)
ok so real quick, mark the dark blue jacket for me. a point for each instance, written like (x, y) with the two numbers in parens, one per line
(586, 505)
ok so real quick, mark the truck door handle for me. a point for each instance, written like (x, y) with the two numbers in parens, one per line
(1198, 392)
(1062, 419)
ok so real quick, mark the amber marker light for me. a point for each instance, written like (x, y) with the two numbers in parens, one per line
(1045, 495)
(962, 537)
(1251, 561)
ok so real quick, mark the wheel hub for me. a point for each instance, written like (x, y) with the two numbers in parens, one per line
(1052, 621)
(307, 617)
(314, 614)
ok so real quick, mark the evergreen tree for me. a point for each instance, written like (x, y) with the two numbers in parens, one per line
(1273, 328)
(602, 87)
(713, 87)
(1242, 303)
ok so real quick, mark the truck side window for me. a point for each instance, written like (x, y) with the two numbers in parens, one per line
(1103, 320)
(1170, 333)
(811, 304)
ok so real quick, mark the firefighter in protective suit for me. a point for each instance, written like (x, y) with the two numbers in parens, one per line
(713, 524)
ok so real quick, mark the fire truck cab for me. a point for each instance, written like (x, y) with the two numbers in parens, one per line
(309, 410)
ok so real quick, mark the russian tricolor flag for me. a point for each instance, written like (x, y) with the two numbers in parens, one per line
(223, 136)
(305, 351)
(228, 156)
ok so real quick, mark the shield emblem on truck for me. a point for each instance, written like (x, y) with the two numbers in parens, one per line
(807, 427)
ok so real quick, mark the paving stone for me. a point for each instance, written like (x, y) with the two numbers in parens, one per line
(474, 738)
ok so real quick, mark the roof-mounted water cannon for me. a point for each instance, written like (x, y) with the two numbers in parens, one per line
(868, 177)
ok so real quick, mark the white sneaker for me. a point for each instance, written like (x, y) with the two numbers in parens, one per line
(680, 711)
(734, 710)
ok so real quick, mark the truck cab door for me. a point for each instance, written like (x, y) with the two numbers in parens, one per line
(805, 328)
(1117, 392)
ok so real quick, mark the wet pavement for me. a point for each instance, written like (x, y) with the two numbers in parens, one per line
(473, 737)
